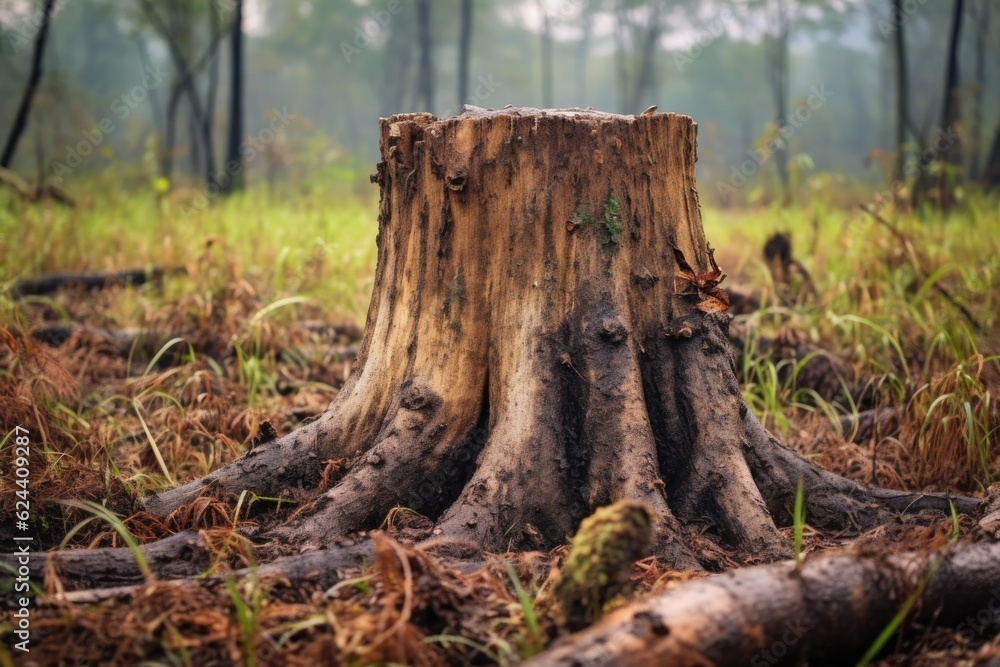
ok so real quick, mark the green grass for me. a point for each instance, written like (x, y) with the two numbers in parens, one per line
(880, 306)
(321, 246)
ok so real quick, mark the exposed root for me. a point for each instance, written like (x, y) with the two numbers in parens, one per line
(405, 468)
(526, 490)
(617, 433)
(276, 468)
(832, 500)
(708, 475)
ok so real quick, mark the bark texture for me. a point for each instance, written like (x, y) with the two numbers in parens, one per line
(545, 337)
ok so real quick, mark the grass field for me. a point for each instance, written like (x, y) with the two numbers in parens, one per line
(263, 322)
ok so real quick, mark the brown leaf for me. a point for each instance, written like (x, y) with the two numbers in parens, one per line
(712, 305)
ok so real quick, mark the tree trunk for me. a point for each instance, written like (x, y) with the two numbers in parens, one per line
(621, 66)
(464, 49)
(211, 94)
(425, 75)
(159, 122)
(234, 161)
(982, 22)
(21, 118)
(993, 162)
(902, 88)
(951, 111)
(545, 337)
(583, 54)
(185, 80)
(776, 54)
(194, 143)
(644, 92)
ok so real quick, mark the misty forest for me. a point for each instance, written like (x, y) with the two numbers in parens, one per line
(497, 332)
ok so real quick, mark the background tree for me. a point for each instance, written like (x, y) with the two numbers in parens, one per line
(778, 15)
(425, 77)
(547, 66)
(235, 132)
(902, 86)
(951, 109)
(980, 23)
(464, 52)
(21, 118)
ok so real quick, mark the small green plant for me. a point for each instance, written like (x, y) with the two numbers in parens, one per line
(798, 522)
(533, 643)
(612, 220)
(956, 527)
(248, 616)
(103, 512)
(897, 620)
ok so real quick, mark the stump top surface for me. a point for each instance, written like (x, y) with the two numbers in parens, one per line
(470, 112)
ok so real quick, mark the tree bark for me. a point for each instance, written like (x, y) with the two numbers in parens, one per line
(828, 611)
(545, 337)
(21, 118)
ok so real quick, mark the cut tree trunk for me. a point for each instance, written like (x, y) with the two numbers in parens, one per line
(545, 337)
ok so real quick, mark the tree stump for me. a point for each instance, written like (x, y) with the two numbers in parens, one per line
(546, 336)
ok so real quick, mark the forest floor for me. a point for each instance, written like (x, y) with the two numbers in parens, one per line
(130, 389)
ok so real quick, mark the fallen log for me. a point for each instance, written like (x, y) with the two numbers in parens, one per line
(48, 284)
(829, 610)
(319, 570)
(182, 555)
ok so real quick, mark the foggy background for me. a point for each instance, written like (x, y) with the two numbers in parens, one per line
(330, 68)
